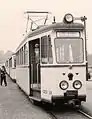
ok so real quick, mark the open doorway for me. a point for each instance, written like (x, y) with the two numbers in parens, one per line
(34, 63)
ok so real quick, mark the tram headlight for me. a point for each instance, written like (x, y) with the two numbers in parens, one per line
(68, 18)
(77, 84)
(63, 85)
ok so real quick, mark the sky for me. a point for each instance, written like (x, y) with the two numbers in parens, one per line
(12, 20)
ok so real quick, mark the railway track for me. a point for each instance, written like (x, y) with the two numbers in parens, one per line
(84, 115)
(52, 115)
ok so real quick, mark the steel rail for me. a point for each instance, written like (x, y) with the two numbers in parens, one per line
(85, 114)
(52, 115)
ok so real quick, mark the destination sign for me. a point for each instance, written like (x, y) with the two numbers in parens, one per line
(68, 34)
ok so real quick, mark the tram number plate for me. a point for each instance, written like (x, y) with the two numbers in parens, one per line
(70, 93)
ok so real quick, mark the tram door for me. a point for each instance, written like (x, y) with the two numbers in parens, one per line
(34, 60)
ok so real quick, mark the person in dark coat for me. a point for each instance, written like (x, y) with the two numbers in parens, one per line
(3, 76)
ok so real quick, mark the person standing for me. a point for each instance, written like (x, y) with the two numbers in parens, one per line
(3, 76)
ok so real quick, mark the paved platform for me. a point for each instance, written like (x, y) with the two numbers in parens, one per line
(15, 105)
(87, 106)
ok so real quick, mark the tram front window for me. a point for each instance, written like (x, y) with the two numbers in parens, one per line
(69, 50)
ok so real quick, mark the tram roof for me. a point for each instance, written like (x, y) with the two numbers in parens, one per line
(54, 26)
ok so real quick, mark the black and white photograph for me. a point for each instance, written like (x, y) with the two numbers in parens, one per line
(45, 59)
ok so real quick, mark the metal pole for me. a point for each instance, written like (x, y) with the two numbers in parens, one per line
(27, 23)
(84, 19)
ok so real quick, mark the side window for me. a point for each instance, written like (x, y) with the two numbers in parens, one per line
(10, 62)
(6, 64)
(17, 58)
(25, 54)
(22, 56)
(50, 50)
(46, 50)
(15, 62)
(44, 57)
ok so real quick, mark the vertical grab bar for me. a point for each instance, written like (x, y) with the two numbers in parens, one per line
(37, 76)
(32, 75)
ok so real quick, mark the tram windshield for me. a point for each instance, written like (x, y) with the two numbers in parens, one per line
(69, 50)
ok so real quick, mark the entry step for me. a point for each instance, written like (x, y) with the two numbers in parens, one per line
(35, 98)
(36, 89)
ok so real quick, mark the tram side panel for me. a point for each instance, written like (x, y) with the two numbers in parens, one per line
(51, 78)
(22, 76)
(13, 68)
(12, 73)
(7, 70)
(7, 66)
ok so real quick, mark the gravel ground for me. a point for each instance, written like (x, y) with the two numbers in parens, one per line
(87, 106)
(15, 105)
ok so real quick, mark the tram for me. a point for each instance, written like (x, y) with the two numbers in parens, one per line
(10, 66)
(51, 61)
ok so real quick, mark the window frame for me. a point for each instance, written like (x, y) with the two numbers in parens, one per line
(67, 35)
(25, 54)
(10, 62)
(47, 53)
(70, 38)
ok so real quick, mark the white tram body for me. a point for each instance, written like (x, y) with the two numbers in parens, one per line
(51, 62)
(7, 66)
(10, 66)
